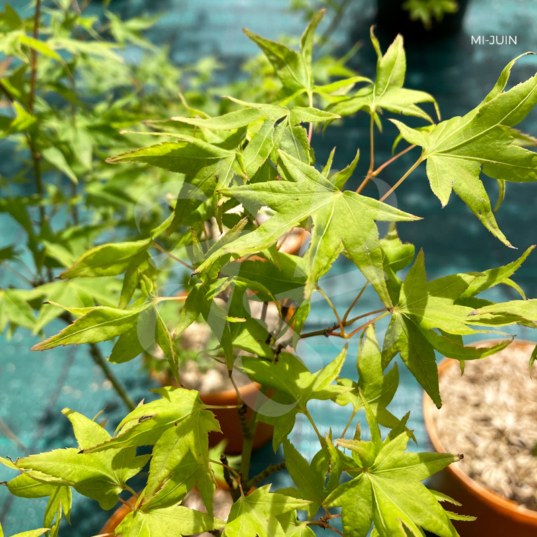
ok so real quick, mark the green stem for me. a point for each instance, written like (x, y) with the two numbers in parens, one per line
(248, 443)
(372, 143)
(308, 415)
(103, 364)
(348, 424)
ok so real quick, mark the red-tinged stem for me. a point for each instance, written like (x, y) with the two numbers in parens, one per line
(355, 301)
(394, 187)
(372, 321)
(375, 173)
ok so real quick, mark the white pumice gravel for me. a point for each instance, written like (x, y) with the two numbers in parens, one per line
(490, 415)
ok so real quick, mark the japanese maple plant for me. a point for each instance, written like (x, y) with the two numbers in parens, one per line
(231, 172)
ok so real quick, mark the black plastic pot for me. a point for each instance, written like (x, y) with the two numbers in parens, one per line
(393, 19)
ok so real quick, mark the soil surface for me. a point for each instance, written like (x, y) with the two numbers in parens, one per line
(490, 415)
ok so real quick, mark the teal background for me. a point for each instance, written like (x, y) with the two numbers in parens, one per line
(35, 387)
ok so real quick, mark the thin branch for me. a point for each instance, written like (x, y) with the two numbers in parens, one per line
(319, 436)
(348, 425)
(354, 319)
(411, 169)
(103, 364)
(125, 503)
(268, 471)
(332, 307)
(393, 159)
(329, 331)
(323, 524)
(33, 59)
(371, 175)
(355, 301)
(171, 256)
(372, 321)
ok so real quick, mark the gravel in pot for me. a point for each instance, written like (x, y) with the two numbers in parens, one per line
(490, 415)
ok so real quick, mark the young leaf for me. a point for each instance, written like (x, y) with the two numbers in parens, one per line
(342, 220)
(387, 93)
(100, 476)
(309, 482)
(175, 520)
(294, 385)
(457, 150)
(390, 494)
(106, 260)
(256, 514)
(373, 385)
(177, 425)
(96, 324)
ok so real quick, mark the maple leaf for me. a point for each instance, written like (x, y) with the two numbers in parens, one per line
(424, 307)
(256, 514)
(458, 149)
(100, 476)
(387, 489)
(342, 220)
(177, 425)
(294, 385)
(387, 93)
(373, 385)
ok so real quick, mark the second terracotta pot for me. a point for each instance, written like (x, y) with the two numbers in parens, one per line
(496, 516)
(229, 418)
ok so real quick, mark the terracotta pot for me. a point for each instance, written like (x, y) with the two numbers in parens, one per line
(496, 516)
(229, 418)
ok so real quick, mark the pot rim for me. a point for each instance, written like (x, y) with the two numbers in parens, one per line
(494, 500)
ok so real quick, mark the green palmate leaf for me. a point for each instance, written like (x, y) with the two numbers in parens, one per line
(55, 157)
(425, 306)
(203, 165)
(373, 385)
(100, 476)
(235, 120)
(505, 313)
(177, 425)
(292, 68)
(294, 385)
(59, 504)
(490, 278)
(341, 220)
(96, 324)
(256, 514)
(457, 150)
(388, 492)
(259, 148)
(310, 482)
(175, 520)
(40, 47)
(387, 93)
(107, 260)
(397, 256)
(15, 310)
(25, 486)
